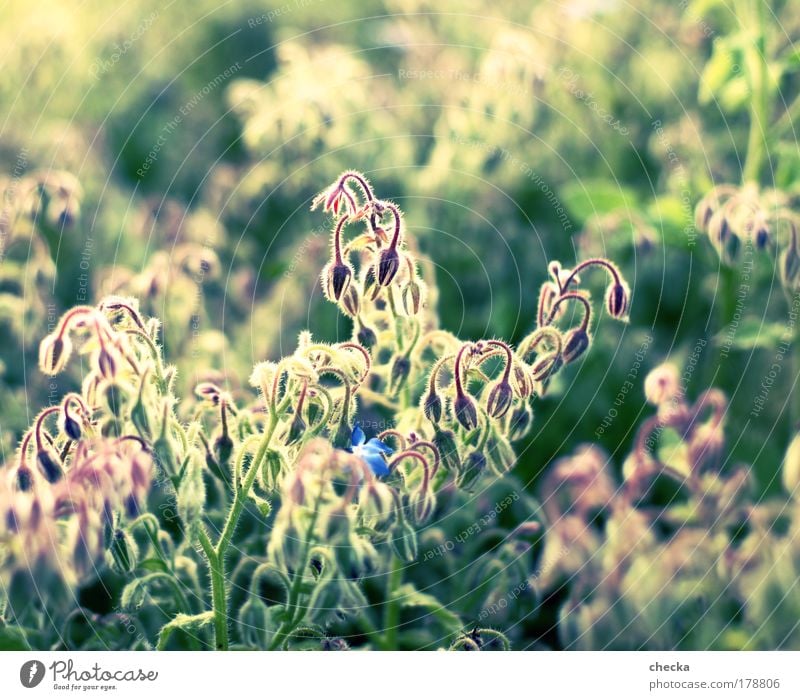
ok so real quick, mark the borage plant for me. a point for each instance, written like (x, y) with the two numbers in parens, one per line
(282, 503)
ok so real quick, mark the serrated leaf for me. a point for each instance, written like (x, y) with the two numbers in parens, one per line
(752, 333)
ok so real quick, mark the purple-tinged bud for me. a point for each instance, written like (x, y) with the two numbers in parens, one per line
(762, 237)
(499, 400)
(472, 469)
(106, 364)
(401, 368)
(465, 412)
(412, 297)
(24, 478)
(297, 429)
(520, 422)
(576, 341)
(350, 301)
(432, 406)
(69, 426)
(790, 267)
(336, 278)
(371, 288)
(445, 442)
(388, 264)
(49, 465)
(223, 447)
(123, 552)
(545, 367)
(366, 337)
(423, 502)
(617, 300)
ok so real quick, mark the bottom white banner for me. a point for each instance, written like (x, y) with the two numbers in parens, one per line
(388, 675)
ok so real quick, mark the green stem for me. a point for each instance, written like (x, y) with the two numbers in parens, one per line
(218, 594)
(391, 620)
(752, 11)
(293, 609)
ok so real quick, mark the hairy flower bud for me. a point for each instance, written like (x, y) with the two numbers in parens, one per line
(790, 267)
(465, 412)
(471, 470)
(662, 384)
(445, 442)
(69, 426)
(54, 352)
(388, 264)
(404, 541)
(366, 337)
(423, 501)
(49, 465)
(545, 367)
(576, 341)
(123, 552)
(411, 296)
(432, 406)
(401, 368)
(336, 279)
(617, 300)
(350, 301)
(24, 478)
(297, 429)
(376, 505)
(520, 422)
(499, 400)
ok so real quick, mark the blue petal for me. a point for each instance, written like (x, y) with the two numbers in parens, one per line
(376, 462)
(379, 445)
(358, 436)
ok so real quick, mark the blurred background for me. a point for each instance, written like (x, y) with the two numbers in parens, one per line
(171, 150)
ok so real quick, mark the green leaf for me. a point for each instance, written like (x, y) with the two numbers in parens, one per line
(186, 623)
(13, 638)
(410, 597)
(588, 198)
(752, 333)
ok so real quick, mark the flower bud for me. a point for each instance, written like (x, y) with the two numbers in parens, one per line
(617, 300)
(366, 337)
(376, 505)
(662, 384)
(336, 279)
(423, 502)
(576, 341)
(520, 422)
(432, 406)
(404, 542)
(271, 470)
(445, 442)
(790, 267)
(350, 301)
(106, 363)
(69, 426)
(49, 465)
(401, 368)
(54, 352)
(411, 296)
(545, 367)
(115, 397)
(472, 469)
(499, 400)
(388, 264)
(223, 448)
(297, 429)
(465, 411)
(24, 478)
(123, 552)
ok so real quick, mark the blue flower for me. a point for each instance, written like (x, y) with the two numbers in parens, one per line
(372, 451)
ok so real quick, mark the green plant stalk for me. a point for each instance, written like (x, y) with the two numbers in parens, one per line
(391, 620)
(216, 554)
(292, 604)
(752, 12)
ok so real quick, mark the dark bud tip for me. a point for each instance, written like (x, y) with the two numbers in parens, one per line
(49, 465)
(388, 264)
(617, 300)
(24, 478)
(401, 368)
(499, 400)
(72, 428)
(432, 407)
(223, 446)
(340, 275)
(296, 429)
(465, 412)
(576, 342)
(474, 465)
(366, 337)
